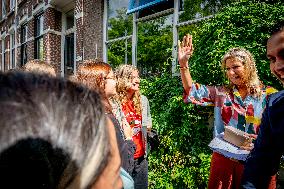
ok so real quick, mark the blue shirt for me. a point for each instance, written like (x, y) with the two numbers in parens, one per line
(263, 161)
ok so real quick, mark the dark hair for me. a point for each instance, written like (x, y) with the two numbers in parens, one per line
(278, 27)
(52, 133)
(93, 73)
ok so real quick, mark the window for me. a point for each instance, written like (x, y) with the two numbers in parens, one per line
(3, 8)
(70, 19)
(39, 37)
(12, 4)
(5, 57)
(12, 50)
(24, 39)
(69, 54)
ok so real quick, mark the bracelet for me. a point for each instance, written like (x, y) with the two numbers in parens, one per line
(183, 68)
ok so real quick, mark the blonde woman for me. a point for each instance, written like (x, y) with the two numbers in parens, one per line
(136, 109)
(239, 104)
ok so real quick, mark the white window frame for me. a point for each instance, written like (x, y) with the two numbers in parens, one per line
(3, 8)
(12, 4)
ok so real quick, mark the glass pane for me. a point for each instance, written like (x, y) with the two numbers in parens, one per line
(39, 25)
(13, 40)
(39, 49)
(119, 23)
(154, 48)
(69, 54)
(5, 61)
(3, 8)
(24, 33)
(13, 58)
(119, 52)
(23, 54)
(193, 9)
(12, 4)
(70, 19)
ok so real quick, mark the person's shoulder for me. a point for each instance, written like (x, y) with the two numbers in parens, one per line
(144, 98)
(276, 98)
(268, 90)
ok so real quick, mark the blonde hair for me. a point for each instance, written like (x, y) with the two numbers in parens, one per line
(124, 78)
(41, 67)
(252, 80)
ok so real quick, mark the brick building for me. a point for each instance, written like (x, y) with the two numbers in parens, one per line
(63, 32)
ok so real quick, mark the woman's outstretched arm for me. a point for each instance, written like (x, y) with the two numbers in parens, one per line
(185, 50)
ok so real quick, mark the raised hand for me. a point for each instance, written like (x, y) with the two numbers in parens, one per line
(185, 50)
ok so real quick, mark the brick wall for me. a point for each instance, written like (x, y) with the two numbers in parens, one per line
(89, 31)
(52, 49)
(52, 19)
(93, 28)
(31, 47)
(52, 41)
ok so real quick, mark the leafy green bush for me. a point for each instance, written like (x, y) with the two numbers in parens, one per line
(183, 159)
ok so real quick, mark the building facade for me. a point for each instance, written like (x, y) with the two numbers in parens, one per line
(60, 32)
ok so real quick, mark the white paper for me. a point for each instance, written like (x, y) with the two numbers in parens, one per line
(218, 144)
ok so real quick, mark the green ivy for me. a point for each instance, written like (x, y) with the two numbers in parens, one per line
(183, 158)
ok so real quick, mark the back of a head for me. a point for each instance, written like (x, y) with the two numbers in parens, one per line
(40, 67)
(92, 73)
(52, 133)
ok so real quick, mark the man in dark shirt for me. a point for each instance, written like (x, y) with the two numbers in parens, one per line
(264, 159)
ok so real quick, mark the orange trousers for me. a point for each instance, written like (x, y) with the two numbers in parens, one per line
(226, 173)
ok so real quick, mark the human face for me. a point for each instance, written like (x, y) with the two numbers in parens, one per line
(275, 54)
(235, 71)
(135, 82)
(110, 86)
(110, 177)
